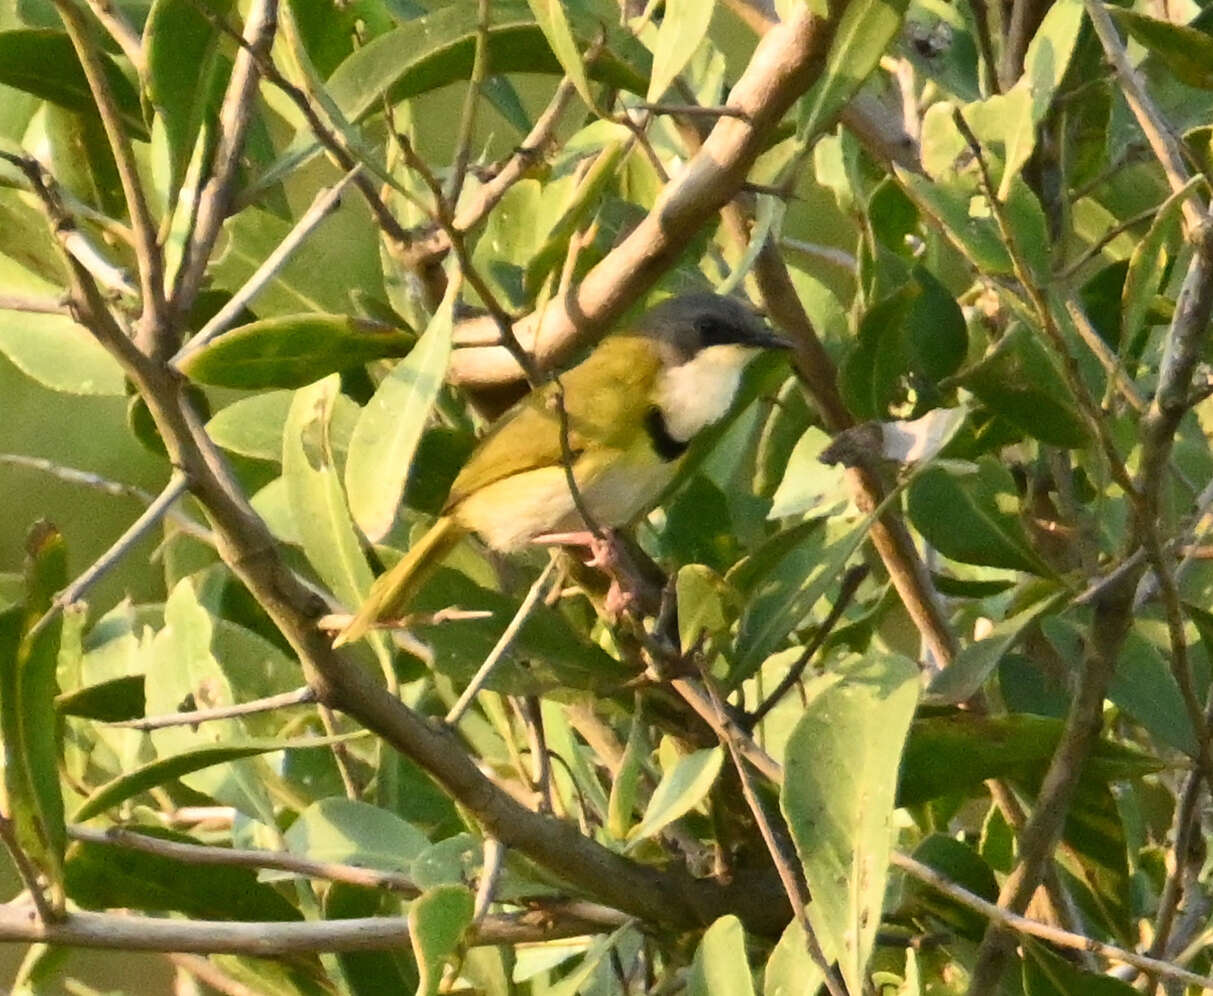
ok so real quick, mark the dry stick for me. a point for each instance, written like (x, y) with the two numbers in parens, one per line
(1097, 247)
(300, 696)
(147, 248)
(502, 646)
(1055, 935)
(784, 863)
(175, 488)
(1158, 133)
(263, 939)
(236, 113)
(201, 854)
(1109, 360)
(491, 865)
(828, 254)
(471, 101)
(326, 201)
(121, 30)
(850, 584)
(32, 303)
(26, 871)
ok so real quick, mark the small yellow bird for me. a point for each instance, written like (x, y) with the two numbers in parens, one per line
(633, 406)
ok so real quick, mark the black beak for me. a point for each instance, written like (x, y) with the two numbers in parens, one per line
(766, 339)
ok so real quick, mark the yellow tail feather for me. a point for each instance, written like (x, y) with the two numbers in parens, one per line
(395, 588)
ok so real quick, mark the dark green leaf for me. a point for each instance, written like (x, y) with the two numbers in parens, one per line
(1186, 51)
(1046, 973)
(437, 921)
(104, 876)
(292, 351)
(109, 702)
(959, 511)
(958, 863)
(43, 61)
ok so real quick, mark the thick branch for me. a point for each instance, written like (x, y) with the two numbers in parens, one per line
(785, 63)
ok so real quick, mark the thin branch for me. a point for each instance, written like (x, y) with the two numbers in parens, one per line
(1094, 250)
(1109, 627)
(235, 857)
(89, 255)
(326, 201)
(471, 101)
(727, 728)
(1033, 928)
(235, 115)
(114, 20)
(785, 864)
(1158, 132)
(175, 488)
(502, 646)
(1108, 360)
(209, 973)
(117, 489)
(300, 696)
(1023, 273)
(691, 110)
(26, 871)
(143, 225)
(33, 303)
(491, 867)
(828, 254)
(850, 584)
(262, 939)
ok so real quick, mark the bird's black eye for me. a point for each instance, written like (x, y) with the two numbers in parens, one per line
(715, 332)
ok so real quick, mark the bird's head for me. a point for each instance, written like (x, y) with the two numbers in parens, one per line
(704, 341)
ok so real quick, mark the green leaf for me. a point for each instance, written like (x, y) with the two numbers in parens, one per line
(322, 276)
(43, 61)
(166, 769)
(838, 797)
(937, 338)
(355, 833)
(624, 787)
(1045, 65)
(550, 16)
(437, 921)
(54, 350)
(253, 427)
(104, 876)
(865, 31)
(959, 863)
(683, 27)
(951, 754)
(181, 46)
(1018, 381)
(790, 970)
(1148, 264)
(292, 351)
(389, 428)
(1046, 973)
(957, 509)
(1187, 52)
(683, 787)
(700, 604)
(720, 967)
(976, 236)
(79, 156)
(809, 485)
(108, 701)
(962, 678)
(316, 500)
(438, 49)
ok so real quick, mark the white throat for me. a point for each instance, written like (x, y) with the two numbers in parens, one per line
(695, 394)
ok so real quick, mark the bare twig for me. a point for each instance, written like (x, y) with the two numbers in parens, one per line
(26, 871)
(201, 854)
(829, 254)
(502, 646)
(206, 971)
(491, 867)
(215, 195)
(850, 584)
(121, 30)
(326, 201)
(33, 304)
(1054, 935)
(300, 696)
(1158, 132)
(785, 864)
(147, 248)
(1108, 360)
(175, 488)
(471, 101)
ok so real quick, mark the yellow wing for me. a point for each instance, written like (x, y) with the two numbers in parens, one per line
(606, 397)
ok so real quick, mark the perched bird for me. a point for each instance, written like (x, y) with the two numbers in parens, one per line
(632, 407)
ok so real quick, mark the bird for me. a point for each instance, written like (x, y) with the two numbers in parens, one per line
(631, 409)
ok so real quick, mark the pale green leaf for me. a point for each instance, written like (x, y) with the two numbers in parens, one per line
(683, 28)
(681, 789)
(838, 797)
(720, 967)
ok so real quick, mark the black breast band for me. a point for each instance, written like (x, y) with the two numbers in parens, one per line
(667, 447)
